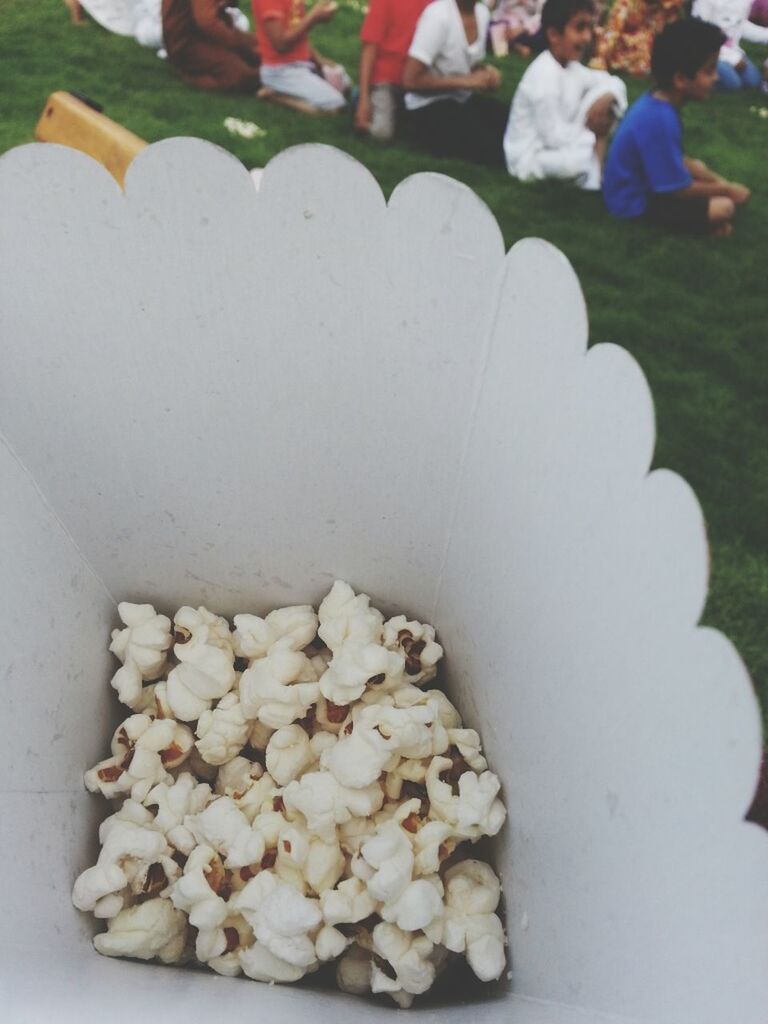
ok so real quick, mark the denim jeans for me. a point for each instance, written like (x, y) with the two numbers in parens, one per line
(731, 80)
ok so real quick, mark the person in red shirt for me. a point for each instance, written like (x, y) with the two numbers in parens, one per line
(290, 64)
(386, 37)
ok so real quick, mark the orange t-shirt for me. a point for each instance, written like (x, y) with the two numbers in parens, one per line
(390, 24)
(290, 12)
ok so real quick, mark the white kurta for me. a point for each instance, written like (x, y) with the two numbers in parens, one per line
(546, 135)
(732, 18)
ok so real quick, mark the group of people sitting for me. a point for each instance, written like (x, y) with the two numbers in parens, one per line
(423, 64)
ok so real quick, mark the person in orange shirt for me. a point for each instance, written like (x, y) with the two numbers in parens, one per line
(386, 37)
(290, 65)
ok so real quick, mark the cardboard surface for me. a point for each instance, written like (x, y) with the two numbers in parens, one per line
(234, 397)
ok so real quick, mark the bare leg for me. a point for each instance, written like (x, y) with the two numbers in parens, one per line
(721, 210)
(75, 12)
(601, 147)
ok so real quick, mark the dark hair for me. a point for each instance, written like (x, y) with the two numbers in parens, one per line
(683, 48)
(557, 13)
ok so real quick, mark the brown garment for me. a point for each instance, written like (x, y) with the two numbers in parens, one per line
(206, 49)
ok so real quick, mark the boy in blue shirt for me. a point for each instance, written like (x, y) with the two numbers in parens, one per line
(647, 174)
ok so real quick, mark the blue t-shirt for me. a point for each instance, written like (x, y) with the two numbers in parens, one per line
(646, 157)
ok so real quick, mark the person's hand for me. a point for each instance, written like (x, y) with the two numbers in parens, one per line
(363, 116)
(738, 193)
(323, 11)
(486, 78)
(600, 116)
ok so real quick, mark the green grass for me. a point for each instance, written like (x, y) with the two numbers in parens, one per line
(693, 312)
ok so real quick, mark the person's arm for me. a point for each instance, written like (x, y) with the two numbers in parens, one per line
(700, 172)
(601, 116)
(417, 77)
(706, 184)
(284, 39)
(428, 43)
(209, 21)
(592, 79)
(363, 112)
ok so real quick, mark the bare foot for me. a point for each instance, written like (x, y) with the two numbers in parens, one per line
(722, 231)
(75, 12)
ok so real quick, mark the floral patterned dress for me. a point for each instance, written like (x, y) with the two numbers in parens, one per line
(624, 42)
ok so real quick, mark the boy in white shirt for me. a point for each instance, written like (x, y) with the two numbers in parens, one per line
(443, 73)
(562, 111)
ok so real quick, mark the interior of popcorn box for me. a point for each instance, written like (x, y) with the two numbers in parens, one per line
(62, 637)
(57, 819)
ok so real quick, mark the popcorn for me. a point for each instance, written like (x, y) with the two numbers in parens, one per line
(390, 853)
(467, 742)
(223, 732)
(174, 802)
(355, 665)
(418, 908)
(432, 844)
(254, 636)
(202, 888)
(201, 627)
(281, 918)
(412, 971)
(330, 943)
(148, 931)
(325, 803)
(358, 759)
(141, 647)
(353, 973)
(474, 811)
(304, 859)
(417, 643)
(348, 903)
(128, 850)
(258, 734)
(288, 754)
(247, 784)
(262, 965)
(236, 776)
(279, 688)
(345, 616)
(472, 895)
(206, 671)
(142, 749)
(220, 947)
(306, 813)
(224, 827)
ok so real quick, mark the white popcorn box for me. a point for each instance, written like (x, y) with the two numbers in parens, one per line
(222, 396)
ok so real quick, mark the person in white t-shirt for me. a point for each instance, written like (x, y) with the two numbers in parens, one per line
(443, 73)
(563, 112)
(735, 70)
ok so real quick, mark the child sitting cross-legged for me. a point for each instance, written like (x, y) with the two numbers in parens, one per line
(647, 174)
(562, 111)
(291, 68)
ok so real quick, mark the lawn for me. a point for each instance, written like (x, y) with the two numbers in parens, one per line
(692, 312)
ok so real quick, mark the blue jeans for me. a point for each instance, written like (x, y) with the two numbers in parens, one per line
(731, 80)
